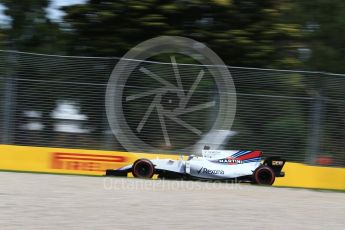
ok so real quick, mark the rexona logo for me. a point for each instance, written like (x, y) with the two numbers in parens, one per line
(230, 161)
(210, 171)
(85, 162)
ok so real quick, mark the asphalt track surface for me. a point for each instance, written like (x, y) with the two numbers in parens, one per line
(43, 201)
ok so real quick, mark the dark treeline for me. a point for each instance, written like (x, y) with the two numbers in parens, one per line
(266, 33)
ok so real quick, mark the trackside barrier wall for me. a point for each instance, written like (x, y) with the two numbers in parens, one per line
(94, 162)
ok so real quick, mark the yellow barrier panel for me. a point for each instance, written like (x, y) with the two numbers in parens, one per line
(301, 175)
(95, 162)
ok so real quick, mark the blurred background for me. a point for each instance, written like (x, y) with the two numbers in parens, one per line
(57, 56)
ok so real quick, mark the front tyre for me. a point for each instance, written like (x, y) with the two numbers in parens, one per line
(143, 168)
(264, 175)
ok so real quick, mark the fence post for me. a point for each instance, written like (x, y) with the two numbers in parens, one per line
(108, 137)
(315, 137)
(9, 100)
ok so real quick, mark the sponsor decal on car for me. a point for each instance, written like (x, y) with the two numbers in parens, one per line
(210, 171)
(241, 157)
(85, 162)
(277, 163)
(228, 161)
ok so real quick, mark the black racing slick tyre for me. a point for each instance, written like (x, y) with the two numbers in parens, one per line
(264, 175)
(143, 168)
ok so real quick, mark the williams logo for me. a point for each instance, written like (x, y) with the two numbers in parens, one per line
(210, 171)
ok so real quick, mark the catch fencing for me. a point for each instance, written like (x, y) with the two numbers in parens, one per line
(59, 101)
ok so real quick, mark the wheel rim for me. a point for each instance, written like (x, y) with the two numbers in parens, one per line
(143, 170)
(264, 176)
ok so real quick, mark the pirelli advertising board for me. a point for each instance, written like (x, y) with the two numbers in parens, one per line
(71, 161)
(86, 162)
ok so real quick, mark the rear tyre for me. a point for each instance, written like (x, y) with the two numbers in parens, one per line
(143, 168)
(264, 175)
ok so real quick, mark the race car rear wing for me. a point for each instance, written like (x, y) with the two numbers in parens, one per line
(276, 164)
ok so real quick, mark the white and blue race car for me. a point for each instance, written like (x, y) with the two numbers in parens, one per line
(238, 165)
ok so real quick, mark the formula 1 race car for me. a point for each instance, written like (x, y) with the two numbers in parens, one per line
(241, 166)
